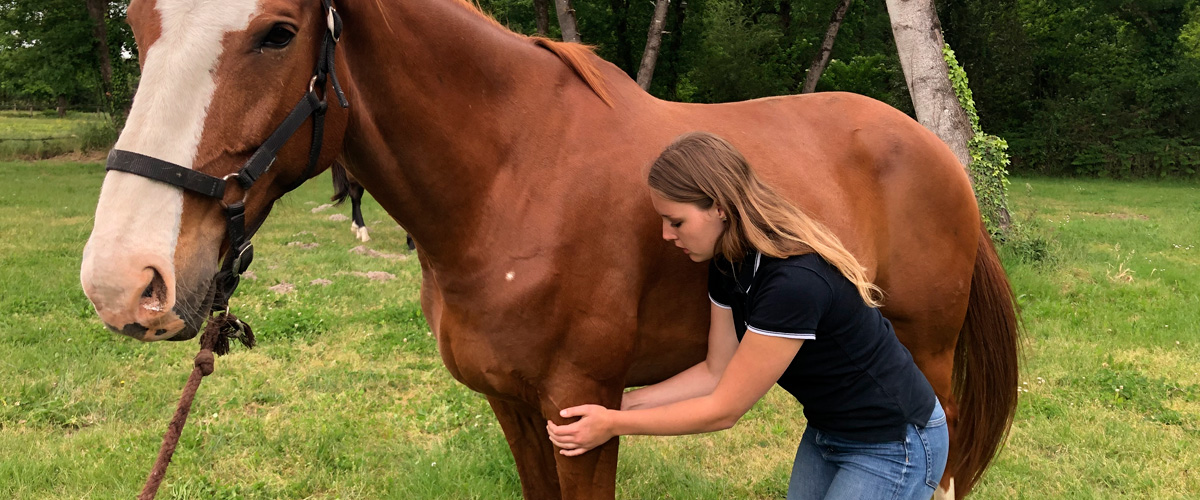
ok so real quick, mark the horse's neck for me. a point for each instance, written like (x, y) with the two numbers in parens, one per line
(442, 99)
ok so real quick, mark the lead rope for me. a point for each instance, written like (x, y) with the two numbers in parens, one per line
(214, 340)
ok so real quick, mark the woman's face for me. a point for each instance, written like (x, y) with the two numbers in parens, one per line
(689, 227)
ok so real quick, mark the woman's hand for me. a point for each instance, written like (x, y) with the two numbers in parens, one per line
(593, 429)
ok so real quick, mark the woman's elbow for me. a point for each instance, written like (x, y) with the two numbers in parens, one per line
(726, 422)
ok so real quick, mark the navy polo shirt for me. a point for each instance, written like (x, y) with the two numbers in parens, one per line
(853, 376)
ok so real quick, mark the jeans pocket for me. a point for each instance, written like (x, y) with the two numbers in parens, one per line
(935, 440)
(931, 477)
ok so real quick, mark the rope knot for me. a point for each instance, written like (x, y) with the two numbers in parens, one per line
(205, 361)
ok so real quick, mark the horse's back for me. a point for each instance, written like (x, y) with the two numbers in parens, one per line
(868, 171)
(891, 191)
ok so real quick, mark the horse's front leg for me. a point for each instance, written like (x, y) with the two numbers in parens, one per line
(525, 429)
(592, 475)
(544, 472)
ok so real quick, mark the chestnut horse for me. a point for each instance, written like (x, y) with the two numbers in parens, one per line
(518, 164)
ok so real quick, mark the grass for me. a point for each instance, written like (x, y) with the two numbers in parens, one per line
(42, 134)
(346, 396)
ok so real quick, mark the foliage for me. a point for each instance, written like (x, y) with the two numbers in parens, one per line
(989, 156)
(49, 55)
(1102, 88)
(734, 62)
(874, 75)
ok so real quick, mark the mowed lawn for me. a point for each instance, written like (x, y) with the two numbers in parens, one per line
(346, 396)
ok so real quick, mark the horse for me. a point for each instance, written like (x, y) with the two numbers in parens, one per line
(519, 164)
(346, 186)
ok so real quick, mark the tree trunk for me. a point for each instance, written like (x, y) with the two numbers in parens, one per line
(919, 41)
(97, 11)
(653, 41)
(674, 47)
(566, 20)
(62, 106)
(620, 15)
(785, 18)
(542, 7)
(818, 65)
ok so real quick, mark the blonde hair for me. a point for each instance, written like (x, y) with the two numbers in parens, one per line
(703, 169)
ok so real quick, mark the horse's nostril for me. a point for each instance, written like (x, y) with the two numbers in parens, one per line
(155, 295)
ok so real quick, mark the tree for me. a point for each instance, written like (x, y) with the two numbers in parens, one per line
(653, 39)
(67, 53)
(818, 65)
(918, 34)
(52, 50)
(97, 11)
(542, 7)
(620, 31)
(566, 21)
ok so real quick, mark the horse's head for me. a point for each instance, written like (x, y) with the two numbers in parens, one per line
(218, 78)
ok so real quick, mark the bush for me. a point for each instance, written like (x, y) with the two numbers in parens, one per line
(98, 137)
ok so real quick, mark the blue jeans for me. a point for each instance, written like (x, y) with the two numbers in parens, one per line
(830, 468)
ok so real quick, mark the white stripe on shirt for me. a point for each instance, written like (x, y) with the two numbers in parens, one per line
(801, 336)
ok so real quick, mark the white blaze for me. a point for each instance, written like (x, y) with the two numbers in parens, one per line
(166, 122)
(137, 216)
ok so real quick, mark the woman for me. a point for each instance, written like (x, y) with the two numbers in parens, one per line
(875, 428)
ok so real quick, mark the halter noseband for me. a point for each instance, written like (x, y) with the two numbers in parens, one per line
(241, 250)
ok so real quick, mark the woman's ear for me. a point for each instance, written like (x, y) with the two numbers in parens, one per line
(721, 213)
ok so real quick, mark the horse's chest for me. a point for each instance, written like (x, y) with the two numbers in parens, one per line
(495, 357)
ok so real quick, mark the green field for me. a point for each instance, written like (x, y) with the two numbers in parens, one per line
(346, 397)
(42, 134)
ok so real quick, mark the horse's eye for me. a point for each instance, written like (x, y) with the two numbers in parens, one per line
(279, 37)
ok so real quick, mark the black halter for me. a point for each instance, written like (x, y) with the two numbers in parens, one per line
(241, 251)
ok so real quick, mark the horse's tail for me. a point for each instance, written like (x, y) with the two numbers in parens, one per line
(985, 368)
(341, 183)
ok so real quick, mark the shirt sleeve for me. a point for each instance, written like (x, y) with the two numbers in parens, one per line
(718, 286)
(790, 303)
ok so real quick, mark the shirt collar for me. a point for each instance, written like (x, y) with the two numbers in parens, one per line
(745, 271)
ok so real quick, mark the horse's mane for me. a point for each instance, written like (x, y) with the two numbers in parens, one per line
(574, 55)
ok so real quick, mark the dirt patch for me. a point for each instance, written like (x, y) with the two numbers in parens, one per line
(373, 275)
(322, 208)
(303, 245)
(1119, 216)
(363, 250)
(338, 218)
(249, 275)
(283, 288)
(320, 281)
(86, 157)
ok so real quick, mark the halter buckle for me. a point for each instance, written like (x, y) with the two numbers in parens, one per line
(330, 20)
(244, 256)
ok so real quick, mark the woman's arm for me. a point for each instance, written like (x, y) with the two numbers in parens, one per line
(757, 364)
(699, 380)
